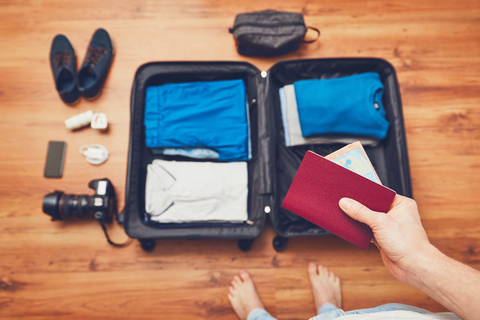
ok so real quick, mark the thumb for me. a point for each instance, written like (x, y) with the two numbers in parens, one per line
(358, 211)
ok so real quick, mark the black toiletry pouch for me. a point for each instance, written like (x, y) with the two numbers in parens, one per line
(269, 32)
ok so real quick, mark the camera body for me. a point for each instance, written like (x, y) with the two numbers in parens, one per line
(102, 205)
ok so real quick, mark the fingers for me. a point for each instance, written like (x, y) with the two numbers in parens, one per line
(359, 212)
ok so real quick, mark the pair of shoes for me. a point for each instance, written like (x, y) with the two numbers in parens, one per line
(89, 80)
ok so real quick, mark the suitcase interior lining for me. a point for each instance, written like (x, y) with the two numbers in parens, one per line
(388, 157)
(209, 73)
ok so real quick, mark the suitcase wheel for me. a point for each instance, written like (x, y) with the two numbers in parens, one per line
(245, 244)
(279, 243)
(147, 244)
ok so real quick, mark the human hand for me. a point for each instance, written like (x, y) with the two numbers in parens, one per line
(399, 234)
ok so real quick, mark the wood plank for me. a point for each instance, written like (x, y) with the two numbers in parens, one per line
(66, 270)
(94, 295)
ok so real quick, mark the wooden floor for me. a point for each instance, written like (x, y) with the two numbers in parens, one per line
(66, 270)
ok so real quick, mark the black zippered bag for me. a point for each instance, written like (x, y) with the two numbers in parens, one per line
(269, 32)
(273, 165)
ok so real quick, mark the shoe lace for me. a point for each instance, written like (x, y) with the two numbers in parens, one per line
(63, 58)
(94, 55)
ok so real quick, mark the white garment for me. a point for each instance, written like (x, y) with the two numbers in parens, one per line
(399, 314)
(294, 131)
(181, 191)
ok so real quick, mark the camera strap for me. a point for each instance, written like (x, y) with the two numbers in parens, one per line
(115, 213)
(119, 245)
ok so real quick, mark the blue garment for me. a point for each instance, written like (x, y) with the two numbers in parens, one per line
(349, 106)
(293, 130)
(329, 311)
(203, 153)
(259, 314)
(210, 115)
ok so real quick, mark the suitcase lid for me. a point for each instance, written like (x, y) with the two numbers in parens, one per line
(389, 157)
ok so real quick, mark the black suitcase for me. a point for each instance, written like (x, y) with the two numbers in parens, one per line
(273, 165)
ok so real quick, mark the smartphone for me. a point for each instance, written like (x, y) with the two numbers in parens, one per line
(55, 159)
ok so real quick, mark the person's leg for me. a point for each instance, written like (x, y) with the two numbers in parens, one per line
(245, 300)
(328, 296)
(326, 291)
(325, 287)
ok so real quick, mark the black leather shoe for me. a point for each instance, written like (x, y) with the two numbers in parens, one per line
(64, 66)
(95, 67)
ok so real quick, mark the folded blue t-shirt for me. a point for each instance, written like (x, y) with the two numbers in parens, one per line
(208, 114)
(342, 106)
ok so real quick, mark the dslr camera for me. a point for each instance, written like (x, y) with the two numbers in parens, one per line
(102, 205)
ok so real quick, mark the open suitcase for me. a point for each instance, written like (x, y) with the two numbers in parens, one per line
(273, 165)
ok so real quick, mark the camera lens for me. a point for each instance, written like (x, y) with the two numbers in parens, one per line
(64, 206)
(51, 205)
(75, 206)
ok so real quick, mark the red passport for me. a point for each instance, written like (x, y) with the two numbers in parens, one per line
(317, 188)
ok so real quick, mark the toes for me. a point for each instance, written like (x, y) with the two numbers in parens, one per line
(333, 276)
(236, 281)
(232, 291)
(312, 269)
(244, 275)
(322, 271)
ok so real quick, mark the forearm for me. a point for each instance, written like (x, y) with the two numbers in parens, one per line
(409, 256)
(451, 283)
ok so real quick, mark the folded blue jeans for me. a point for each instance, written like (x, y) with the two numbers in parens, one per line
(342, 106)
(208, 115)
(329, 311)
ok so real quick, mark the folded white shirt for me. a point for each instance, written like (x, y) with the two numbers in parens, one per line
(181, 191)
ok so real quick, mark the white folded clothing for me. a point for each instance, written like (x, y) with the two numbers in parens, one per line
(181, 191)
(293, 130)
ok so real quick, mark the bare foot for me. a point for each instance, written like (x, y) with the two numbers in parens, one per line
(243, 296)
(325, 286)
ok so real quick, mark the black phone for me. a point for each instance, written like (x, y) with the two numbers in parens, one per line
(55, 159)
